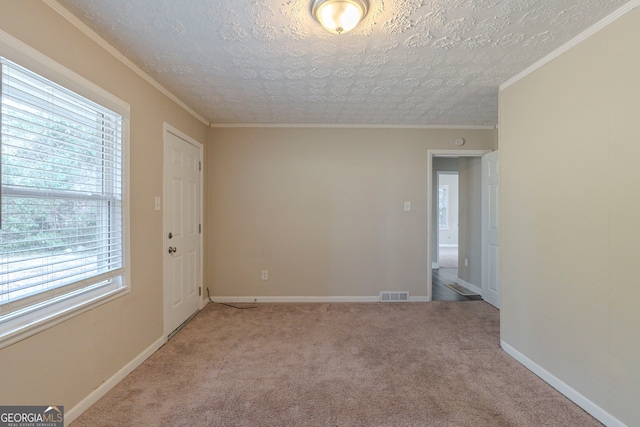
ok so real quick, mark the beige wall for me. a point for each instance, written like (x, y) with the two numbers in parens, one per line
(570, 208)
(67, 362)
(321, 209)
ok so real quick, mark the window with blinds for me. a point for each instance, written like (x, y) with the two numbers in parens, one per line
(61, 223)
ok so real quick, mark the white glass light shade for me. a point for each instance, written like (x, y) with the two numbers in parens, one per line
(339, 16)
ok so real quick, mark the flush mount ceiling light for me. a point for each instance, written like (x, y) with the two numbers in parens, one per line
(339, 16)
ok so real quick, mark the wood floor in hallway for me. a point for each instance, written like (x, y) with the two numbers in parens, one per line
(441, 292)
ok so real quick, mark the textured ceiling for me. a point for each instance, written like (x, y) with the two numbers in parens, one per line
(410, 62)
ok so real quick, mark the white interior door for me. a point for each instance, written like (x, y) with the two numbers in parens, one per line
(182, 265)
(491, 229)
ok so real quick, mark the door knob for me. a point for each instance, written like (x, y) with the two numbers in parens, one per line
(172, 249)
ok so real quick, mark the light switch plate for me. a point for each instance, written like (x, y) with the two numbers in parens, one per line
(158, 203)
(407, 206)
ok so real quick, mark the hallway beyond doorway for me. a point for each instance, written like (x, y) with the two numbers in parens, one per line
(447, 273)
(448, 257)
(441, 292)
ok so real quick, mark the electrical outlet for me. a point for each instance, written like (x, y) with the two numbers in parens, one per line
(265, 275)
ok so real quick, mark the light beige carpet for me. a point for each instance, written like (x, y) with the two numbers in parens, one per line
(376, 364)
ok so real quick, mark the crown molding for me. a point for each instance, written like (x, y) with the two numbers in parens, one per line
(53, 4)
(573, 42)
(347, 126)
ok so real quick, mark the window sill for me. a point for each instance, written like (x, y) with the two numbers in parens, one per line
(12, 331)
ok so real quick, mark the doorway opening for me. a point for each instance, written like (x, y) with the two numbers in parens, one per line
(455, 225)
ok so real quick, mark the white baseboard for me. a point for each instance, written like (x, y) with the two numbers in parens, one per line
(452, 245)
(94, 396)
(469, 286)
(308, 299)
(592, 408)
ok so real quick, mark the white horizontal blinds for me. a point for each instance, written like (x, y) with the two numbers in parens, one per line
(61, 191)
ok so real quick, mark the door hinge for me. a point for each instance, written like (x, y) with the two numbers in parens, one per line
(200, 228)
(200, 291)
(199, 165)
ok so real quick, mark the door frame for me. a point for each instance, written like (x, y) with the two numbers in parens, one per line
(430, 207)
(167, 128)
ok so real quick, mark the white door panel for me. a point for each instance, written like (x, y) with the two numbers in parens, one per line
(491, 228)
(182, 228)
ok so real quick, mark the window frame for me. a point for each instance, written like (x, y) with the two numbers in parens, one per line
(38, 317)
